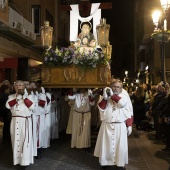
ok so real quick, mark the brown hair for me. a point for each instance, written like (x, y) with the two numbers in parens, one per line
(3, 88)
(140, 92)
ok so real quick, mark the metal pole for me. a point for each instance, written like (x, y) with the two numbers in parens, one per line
(163, 77)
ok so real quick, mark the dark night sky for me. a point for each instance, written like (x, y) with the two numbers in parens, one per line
(120, 18)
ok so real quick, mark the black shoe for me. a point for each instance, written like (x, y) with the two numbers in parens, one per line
(39, 153)
(86, 150)
(19, 167)
(37, 157)
(103, 167)
(121, 168)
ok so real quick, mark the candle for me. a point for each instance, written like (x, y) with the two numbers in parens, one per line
(165, 25)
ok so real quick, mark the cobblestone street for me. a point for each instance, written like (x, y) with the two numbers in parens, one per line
(144, 154)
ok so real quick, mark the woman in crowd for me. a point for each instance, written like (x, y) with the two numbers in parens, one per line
(139, 107)
(148, 94)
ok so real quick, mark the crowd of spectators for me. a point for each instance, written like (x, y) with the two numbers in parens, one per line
(151, 107)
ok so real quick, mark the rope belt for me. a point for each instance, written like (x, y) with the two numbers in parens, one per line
(112, 122)
(81, 112)
(82, 121)
(26, 124)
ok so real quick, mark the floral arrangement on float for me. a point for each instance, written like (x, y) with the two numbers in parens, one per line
(67, 56)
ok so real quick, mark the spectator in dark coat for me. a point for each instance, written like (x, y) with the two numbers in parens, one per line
(138, 98)
(6, 114)
(161, 93)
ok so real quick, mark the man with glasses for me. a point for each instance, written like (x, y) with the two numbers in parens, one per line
(116, 116)
(21, 105)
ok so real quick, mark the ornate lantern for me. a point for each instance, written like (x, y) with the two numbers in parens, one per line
(103, 37)
(103, 33)
(46, 35)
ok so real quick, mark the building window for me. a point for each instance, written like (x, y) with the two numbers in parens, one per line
(3, 4)
(36, 13)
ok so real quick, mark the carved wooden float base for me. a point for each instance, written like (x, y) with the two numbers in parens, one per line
(75, 77)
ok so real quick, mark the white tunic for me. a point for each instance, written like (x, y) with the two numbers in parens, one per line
(112, 146)
(21, 131)
(47, 123)
(81, 129)
(54, 120)
(40, 122)
(34, 123)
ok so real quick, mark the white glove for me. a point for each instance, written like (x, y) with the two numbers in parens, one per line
(105, 95)
(25, 94)
(90, 92)
(36, 93)
(43, 90)
(42, 97)
(129, 130)
(32, 93)
(19, 97)
(111, 91)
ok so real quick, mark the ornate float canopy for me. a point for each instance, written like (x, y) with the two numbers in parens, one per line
(84, 64)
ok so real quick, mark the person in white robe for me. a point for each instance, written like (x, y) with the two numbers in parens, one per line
(70, 119)
(54, 118)
(81, 129)
(21, 105)
(40, 121)
(47, 121)
(34, 122)
(116, 116)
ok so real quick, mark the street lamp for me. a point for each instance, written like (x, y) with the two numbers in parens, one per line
(161, 34)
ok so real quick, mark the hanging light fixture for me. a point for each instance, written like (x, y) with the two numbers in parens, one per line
(46, 35)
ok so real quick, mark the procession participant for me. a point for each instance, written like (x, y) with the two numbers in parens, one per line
(112, 146)
(70, 119)
(27, 84)
(47, 121)
(32, 85)
(21, 105)
(40, 121)
(34, 122)
(54, 118)
(81, 129)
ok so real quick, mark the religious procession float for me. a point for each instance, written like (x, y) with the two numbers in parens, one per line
(85, 63)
